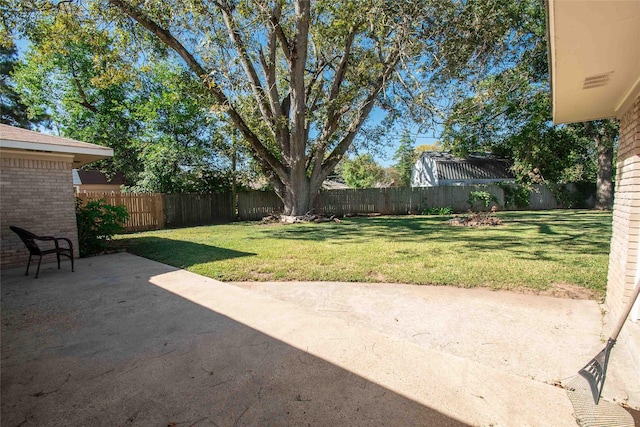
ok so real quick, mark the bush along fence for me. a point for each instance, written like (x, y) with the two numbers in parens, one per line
(157, 211)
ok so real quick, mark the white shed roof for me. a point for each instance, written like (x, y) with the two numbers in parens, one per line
(22, 139)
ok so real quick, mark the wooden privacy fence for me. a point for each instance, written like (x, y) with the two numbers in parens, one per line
(145, 210)
(181, 210)
(401, 201)
(156, 211)
(397, 201)
(255, 205)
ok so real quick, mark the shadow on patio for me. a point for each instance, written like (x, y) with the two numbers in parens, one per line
(108, 345)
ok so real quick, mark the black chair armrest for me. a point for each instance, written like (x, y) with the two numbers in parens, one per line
(66, 240)
(44, 238)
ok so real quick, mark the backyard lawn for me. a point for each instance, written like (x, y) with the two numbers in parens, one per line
(534, 250)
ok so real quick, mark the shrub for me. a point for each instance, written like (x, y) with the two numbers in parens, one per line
(573, 196)
(516, 195)
(97, 223)
(438, 211)
(483, 197)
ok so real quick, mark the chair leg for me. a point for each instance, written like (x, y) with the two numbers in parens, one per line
(28, 264)
(58, 256)
(38, 270)
(71, 251)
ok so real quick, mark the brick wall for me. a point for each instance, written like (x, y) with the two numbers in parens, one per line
(624, 258)
(623, 261)
(36, 193)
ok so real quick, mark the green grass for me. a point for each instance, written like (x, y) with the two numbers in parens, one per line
(531, 250)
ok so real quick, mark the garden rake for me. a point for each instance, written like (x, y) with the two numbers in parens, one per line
(585, 389)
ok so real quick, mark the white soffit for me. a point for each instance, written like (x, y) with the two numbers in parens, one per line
(594, 58)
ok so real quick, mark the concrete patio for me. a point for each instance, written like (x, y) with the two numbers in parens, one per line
(128, 341)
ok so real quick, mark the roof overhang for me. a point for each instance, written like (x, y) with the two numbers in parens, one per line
(16, 139)
(594, 58)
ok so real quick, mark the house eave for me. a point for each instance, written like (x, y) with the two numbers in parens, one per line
(594, 58)
(81, 155)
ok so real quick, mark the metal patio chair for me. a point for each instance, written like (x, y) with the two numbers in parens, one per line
(29, 239)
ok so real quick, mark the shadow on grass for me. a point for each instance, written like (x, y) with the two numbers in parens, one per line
(525, 233)
(179, 253)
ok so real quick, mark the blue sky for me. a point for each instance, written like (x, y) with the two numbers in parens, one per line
(385, 155)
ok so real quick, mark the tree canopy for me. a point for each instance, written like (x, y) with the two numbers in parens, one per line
(507, 111)
(13, 111)
(297, 79)
(163, 141)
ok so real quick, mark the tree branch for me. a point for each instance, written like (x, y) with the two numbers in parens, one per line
(338, 152)
(297, 83)
(247, 64)
(280, 117)
(262, 153)
(316, 155)
(84, 100)
(333, 114)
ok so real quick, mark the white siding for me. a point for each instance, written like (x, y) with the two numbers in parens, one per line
(424, 173)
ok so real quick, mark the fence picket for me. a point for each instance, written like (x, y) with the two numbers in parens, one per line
(143, 214)
(157, 211)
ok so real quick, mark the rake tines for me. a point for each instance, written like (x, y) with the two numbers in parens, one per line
(595, 371)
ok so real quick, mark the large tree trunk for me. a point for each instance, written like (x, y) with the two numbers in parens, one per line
(297, 198)
(604, 185)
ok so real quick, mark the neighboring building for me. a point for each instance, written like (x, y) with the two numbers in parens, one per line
(435, 168)
(89, 181)
(36, 187)
(333, 184)
(594, 60)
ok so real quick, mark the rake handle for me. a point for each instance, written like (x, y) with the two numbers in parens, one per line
(627, 310)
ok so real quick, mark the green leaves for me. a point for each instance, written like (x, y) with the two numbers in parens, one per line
(13, 110)
(362, 172)
(296, 79)
(97, 223)
(484, 198)
(406, 157)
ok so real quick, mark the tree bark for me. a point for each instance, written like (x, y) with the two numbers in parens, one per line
(604, 185)
(297, 197)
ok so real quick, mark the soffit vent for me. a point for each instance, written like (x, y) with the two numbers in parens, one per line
(597, 80)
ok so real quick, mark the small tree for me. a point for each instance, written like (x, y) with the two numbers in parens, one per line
(362, 172)
(406, 157)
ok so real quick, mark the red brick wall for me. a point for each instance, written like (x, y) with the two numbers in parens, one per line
(36, 193)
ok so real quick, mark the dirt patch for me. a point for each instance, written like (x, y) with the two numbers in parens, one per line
(379, 277)
(564, 290)
(262, 277)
